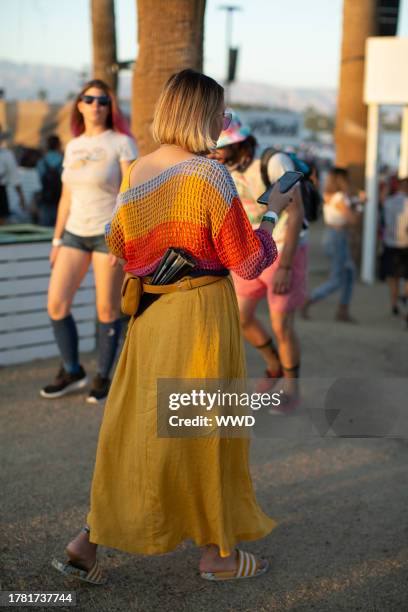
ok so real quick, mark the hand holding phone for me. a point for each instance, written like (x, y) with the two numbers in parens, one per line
(286, 182)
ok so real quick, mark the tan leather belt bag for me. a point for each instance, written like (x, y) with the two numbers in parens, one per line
(133, 288)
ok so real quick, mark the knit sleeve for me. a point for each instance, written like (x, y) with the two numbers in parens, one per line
(114, 230)
(239, 248)
(114, 233)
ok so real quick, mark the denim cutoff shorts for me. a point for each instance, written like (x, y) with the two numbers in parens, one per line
(85, 243)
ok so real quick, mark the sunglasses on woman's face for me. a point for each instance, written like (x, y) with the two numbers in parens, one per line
(101, 100)
(227, 118)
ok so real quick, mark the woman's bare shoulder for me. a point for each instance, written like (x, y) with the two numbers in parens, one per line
(155, 164)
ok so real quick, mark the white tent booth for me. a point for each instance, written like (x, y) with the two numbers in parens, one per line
(386, 83)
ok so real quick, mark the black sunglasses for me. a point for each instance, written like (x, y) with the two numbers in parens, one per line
(101, 100)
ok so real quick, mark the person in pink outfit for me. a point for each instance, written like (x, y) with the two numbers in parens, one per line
(284, 283)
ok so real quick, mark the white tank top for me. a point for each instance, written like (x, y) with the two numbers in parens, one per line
(332, 213)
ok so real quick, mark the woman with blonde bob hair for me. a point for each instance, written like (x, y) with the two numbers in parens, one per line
(150, 493)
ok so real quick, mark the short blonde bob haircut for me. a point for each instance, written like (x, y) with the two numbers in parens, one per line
(186, 110)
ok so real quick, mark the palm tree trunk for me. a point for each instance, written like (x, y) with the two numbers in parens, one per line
(104, 41)
(359, 22)
(170, 36)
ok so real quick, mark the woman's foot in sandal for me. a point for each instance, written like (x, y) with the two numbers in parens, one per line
(82, 563)
(80, 551)
(238, 565)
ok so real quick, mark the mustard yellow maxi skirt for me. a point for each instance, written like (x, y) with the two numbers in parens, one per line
(150, 493)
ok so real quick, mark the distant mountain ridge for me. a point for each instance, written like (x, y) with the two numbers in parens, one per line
(24, 81)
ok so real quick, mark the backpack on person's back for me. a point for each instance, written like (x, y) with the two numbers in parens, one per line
(311, 197)
(51, 184)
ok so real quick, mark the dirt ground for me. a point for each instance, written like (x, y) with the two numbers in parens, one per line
(340, 503)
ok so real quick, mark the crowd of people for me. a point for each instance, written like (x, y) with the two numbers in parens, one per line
(198, 192)
(30, 187)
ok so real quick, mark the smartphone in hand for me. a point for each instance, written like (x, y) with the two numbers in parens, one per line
(286, 182)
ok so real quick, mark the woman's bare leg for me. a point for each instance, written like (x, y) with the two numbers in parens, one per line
(255, 333)
(393, 284)
(108, 282)
(67, 274)
(283, 325)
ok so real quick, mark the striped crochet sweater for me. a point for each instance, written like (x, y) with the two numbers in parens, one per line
(192, 205)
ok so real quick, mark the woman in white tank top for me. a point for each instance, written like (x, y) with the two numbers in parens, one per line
(338, 217)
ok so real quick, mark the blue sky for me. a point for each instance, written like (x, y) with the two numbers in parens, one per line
(290, 43)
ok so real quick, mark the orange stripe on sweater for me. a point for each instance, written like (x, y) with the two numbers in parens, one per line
(195, 239)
